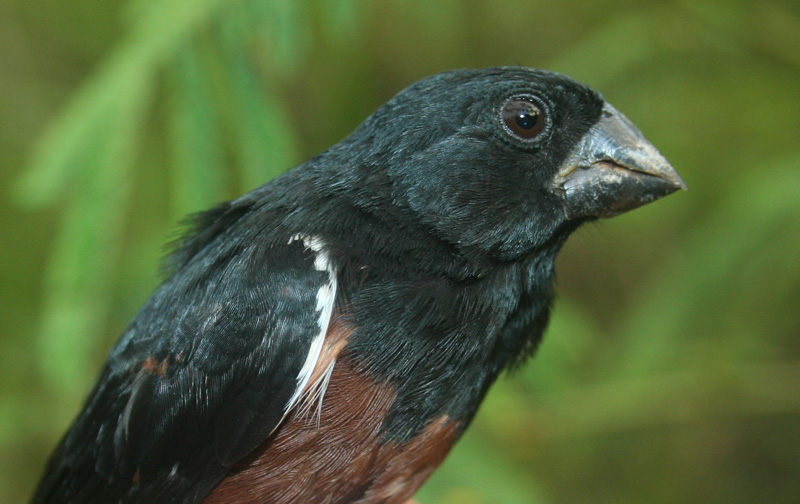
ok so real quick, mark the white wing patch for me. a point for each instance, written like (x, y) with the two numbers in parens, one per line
(326, 296)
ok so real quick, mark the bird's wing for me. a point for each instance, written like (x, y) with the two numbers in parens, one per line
(205, 371)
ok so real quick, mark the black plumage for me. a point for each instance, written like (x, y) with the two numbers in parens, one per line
(417, 255)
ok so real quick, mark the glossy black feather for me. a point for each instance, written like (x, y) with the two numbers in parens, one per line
(443, 231)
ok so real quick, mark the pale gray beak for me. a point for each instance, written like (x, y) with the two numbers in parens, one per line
(614, 169)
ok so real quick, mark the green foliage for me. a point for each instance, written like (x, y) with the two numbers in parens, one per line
(670, 370)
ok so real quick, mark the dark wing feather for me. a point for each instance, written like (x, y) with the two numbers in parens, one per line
(201, 376)
(200, 229)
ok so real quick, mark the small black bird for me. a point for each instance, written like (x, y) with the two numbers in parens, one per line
(327, 337)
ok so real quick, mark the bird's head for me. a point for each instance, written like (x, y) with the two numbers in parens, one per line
(501, 160)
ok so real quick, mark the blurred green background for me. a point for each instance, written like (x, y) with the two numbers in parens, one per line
(671, 371)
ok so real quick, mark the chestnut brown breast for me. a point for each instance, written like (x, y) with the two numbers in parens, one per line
(337, 454)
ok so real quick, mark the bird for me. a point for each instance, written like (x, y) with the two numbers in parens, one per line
(328, 336)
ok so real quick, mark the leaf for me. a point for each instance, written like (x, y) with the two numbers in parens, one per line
(60, 156)
(262, 132)
(342, 19)
(198, 168)
(79, 279)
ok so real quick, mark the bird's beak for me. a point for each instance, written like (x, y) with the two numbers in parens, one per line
(614, 169)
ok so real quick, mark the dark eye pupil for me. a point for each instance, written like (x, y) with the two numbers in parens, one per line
(526, 119)
(523, 118)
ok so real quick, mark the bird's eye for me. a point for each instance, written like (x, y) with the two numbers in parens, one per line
(523, 118)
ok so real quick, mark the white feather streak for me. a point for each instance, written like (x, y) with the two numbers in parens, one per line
(326, 296)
